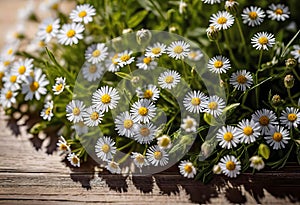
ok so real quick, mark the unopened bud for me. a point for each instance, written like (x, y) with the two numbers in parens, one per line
(217, 169)
(290, 63)
(143, 36)
(289, 81)
(276, 100)
(127, 30)
(232, 6)
(212, 33)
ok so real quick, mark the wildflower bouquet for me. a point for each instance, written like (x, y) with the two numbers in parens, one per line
(139, 86)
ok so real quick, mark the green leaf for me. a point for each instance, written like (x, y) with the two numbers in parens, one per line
(137, 18)
(209, 119)
(123, 75)
(264, 151)
(230, 107)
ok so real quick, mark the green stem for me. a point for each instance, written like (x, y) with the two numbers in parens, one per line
(296, 74)
(229, 49)
(240, 31)
(256, 79)
(218, 45)
(158, 10)
(123, 159)
(126, 145)
(290, 96)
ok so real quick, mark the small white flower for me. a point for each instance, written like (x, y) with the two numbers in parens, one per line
(156, 50)
(92, 72)
(178, 50)
(157, 156)
(248, 131)
(193, 101)
(22, 68)
(139, 160)
(92, 117)
(143, 111)
(253, 16)
(296, 52)
(290, 117)
(7, 97)
(49, 5)
(96, 53)
(113, 167)
(277, 137)
(168, 79)
(74, 160)
(278, 12)
(144, 133)
(257, 162)
(75, 110)
(112, 62)
(11, 81)
(47, 112)
(48, 29)
(59, 85)
(241, 80)
(63, 145)
(230, 166)
(164, 142)
(105, 98)
(266, 119)
(146, 63)
(83, 13)
(263, 40)
(189, 124)
(219, 64)
(214, 105)
(228, 137)
(195, 55)
(222, 20)
(125, 58)
(70, 34)
(187, 169)
(125, 125)
(149, 92)
(211, 1)
(105, 148)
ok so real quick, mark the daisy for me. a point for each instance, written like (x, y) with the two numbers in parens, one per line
(7, 97)
(230, 166)
(187, 169)
(75, 110)
(222, 20)
(156, 50)
(211, 1)
(257, 162)
(125, 125)
(228, 137)
(168, 79)
(96, 53)
(48, 29)
(178, 50)
(143, 111)
(59, 85)
(92, 117)
(34, 85)
(290, 117)
(164, 142)
(149, 92)
(195, 55)
(248, 131)
(11, 81)
(70, 34)
(47, 5)
(139, 160)
(22, 68)
(105, 98)
(47, 112)
(92, 72)
(146, 63)
(189, 124)
(62, 145)
(219, 64)
(105, 148)
(194, 100)
(214, 105)
(253, 16)
(266, 119)
(112, 62)
(80, 128)
(263, 40)
(144, 133)
(74, 159)
(278, 12)
(296, 52)
(157, 156)
(125, 58)
(83, 13)
(113, 167)
(241, 80)
(277, 137)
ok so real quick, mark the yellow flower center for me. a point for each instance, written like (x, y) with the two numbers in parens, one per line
(48, 111)
(222, 20)
(105, 148)
(263, 40)
(157, 155)
(94, 116)
(13, 78)
(188, 168)
(22, 69)
(230, 165)
(114, 59)
(241, 79)
(148, 94)
(71, 33)
(128, 123)
(92, 69)
(165, 141)
(6, 63)
(59, 87)
(10, 51)
(140, 159)
(195, 101)
(169, 79)
(143, 111)
(49, 28)
(76, 111)
(82, 14)
(228, 136)
(213, 105)
(63, 147)
(105, 99)
(75, 160)
(144, 131)
(96, 53)
(189, 123)
(277, 136)
(1, 75)
(34, 86)
(8, 94)
(54, 6)
(125, 57)
(264, 120)
(278, 11)
(252, 15)
(42, 44)
(218, 64)
(147, 60)
(156, 50)
(178, 49)
(248, 130)
(292, 117)
(192, 55)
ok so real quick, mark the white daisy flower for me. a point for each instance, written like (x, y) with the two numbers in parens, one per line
(26, 12)
(125, 125)
(230, 166)
(48, 29)
(214, 105)
(80, 128)
(266, 119)
(74, 159)
(277, 137)
(228, 137)
(194, 100)
(149, 92)
(105, 148)
(263, 40)
(195, 55)
(278, 12)
(36, 45)
(47, 5)
(11, 81)
(157, 156)
(219, 64)
(143, 111)
(296, 52)
(47, 112)
(241, 80)
(75, 110)
(290, 117)
(125, 58)
(257, 162)
(164, 142)
(222, 20)
(59, 85)
(211, 1)
(105, 98)
(96, 53)
(248, 131)
(22, 68)
(113, 167)
(70, 34)
(168, 79)
(83, 13)
(146, 63)
(139, 160)
(92, 117)
(112, 62)
(144, 133)
(156, 50)
(7, 97)
(253, 16)
(34, 85)
(189, 124)
(178, 50)
(63, 145)
(187, 169)
(92, 72)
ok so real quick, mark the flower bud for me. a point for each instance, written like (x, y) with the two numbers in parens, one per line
(135, 80)
(290, 63)
(206, 149)
(126, 31)
(212, 33)
(232, 6)
(289, 81)
(143, 36)
(276, 100)
(257, 162)
(217, 169)
(264, 151)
